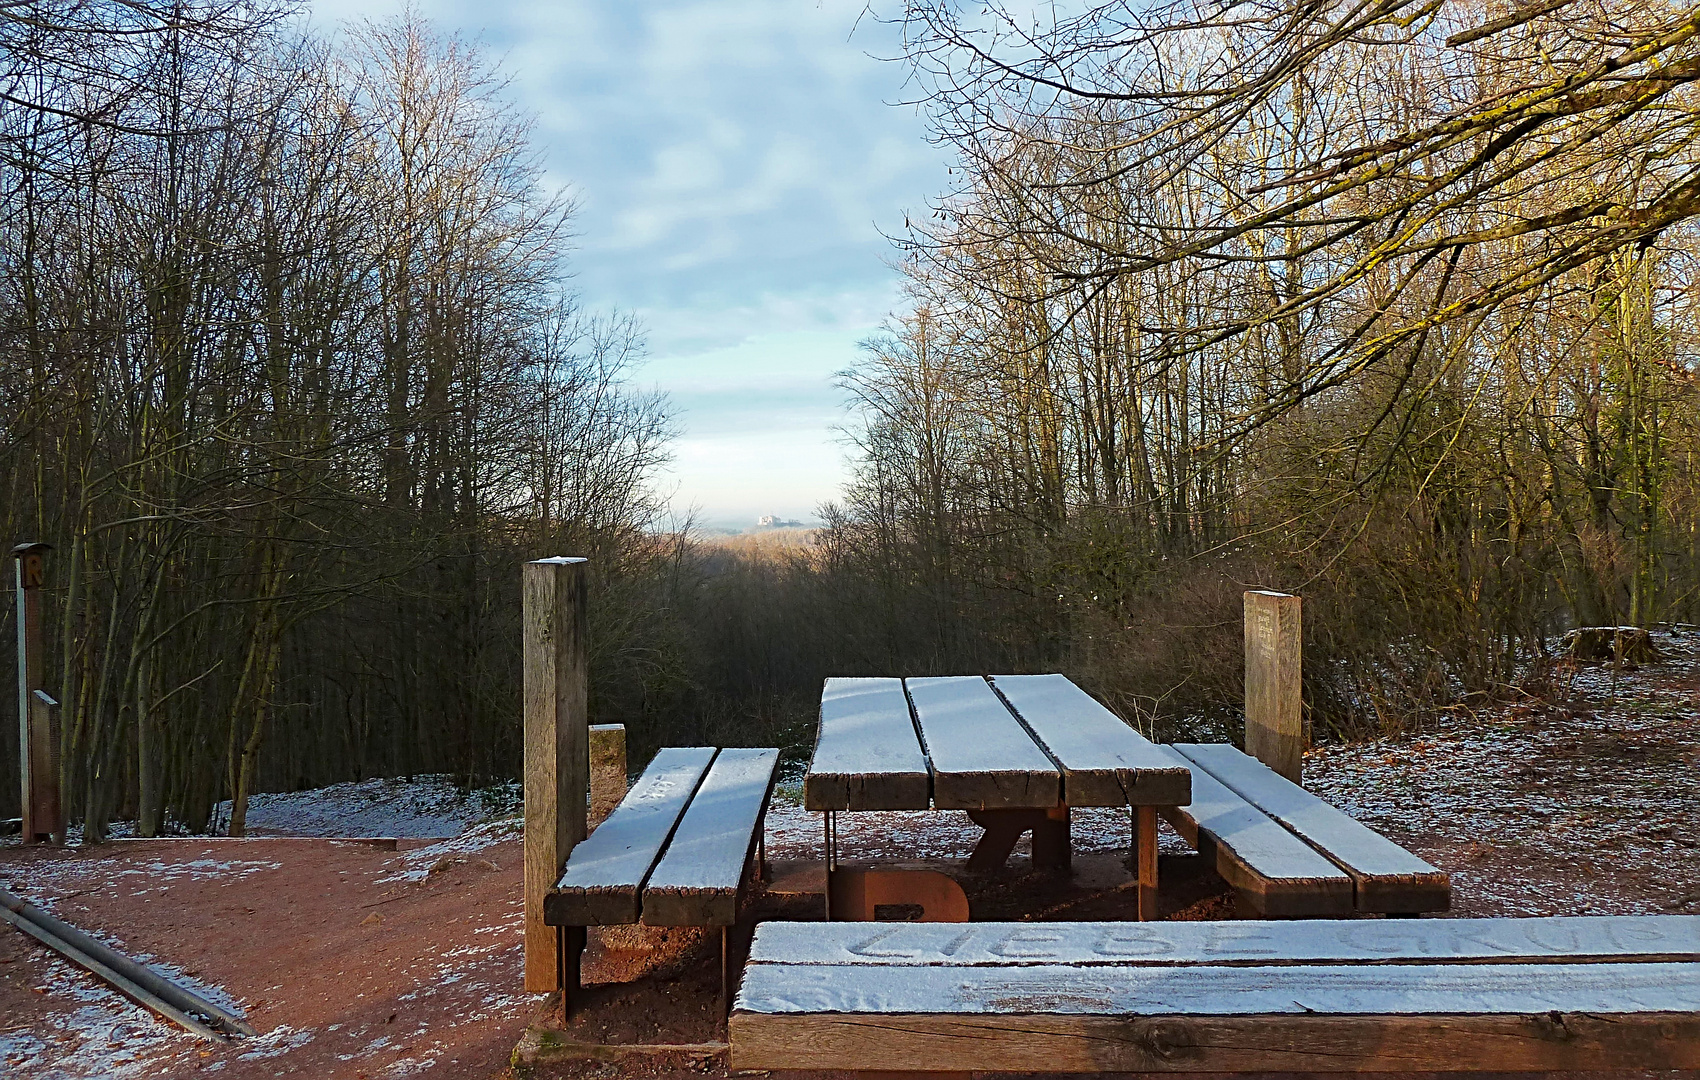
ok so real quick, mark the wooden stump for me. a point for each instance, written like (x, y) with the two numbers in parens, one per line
(858, 895)
(1628, 645)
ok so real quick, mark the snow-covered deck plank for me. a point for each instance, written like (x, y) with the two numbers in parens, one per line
(607, 870)
(1137, 990)
(867, 755)
(1386, 877)
(699, 877)
(981, 756)
(1105, 762)
(1577, 939)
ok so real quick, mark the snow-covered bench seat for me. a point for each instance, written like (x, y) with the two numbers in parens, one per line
(1289, 854)
(676, 851)
(1440, 995)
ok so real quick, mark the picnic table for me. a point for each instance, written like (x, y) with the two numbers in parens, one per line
(1016, 752)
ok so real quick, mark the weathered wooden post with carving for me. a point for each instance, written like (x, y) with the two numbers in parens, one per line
(557, 756)
(1274, 706)
(38, 737)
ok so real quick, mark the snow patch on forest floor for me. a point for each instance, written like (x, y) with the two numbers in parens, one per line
(421, 863)
(423, 807)
(1607, 779)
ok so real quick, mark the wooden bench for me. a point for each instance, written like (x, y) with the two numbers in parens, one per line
(676, 851)
(1442, 995)
(1386, 879)
(1271, 870)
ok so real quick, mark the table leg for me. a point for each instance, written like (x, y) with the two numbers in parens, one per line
(1004, 827)
(831, 852)
(1145, 859)
(1052, 848)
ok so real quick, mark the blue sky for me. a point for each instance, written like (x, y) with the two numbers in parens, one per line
(735, 162)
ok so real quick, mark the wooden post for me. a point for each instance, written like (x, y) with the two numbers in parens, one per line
(607, 770)
(38, 768)
(557, 756)
(1274, 710)
(44, 730)
(1145, 860)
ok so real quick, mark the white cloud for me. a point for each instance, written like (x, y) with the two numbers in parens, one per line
(735, 161)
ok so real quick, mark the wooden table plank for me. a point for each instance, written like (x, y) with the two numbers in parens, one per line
(1105, 762)
(1277, 872)
(698, 879)
(607, 870)
(1386, 877)
(1194, 1045)
(981, 756)
(867, 755)
(1577, 939)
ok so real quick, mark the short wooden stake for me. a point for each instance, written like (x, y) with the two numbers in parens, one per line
(557, 755)
(607, 770)
(38, 749)
(1274, 709)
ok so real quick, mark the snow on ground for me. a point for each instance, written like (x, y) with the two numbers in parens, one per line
(420, 863)
(482, 970)
(1613, 777)
(106, 1035)
(425, 807)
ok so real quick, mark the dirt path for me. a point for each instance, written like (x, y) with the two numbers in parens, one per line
(353, 962)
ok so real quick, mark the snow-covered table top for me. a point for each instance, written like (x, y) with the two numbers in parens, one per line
(973, 742)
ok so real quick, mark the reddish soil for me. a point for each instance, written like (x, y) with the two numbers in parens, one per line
(349, 977)
(368, 978)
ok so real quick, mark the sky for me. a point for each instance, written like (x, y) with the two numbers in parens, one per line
(736, 163)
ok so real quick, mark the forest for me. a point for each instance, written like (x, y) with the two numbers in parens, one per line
(1388, 303)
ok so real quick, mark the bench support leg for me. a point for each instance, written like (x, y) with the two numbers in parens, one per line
(1145, 859)
(831, 820)
(569, 943)
(762, 874)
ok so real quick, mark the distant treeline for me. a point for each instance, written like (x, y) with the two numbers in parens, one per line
(1389, 305)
